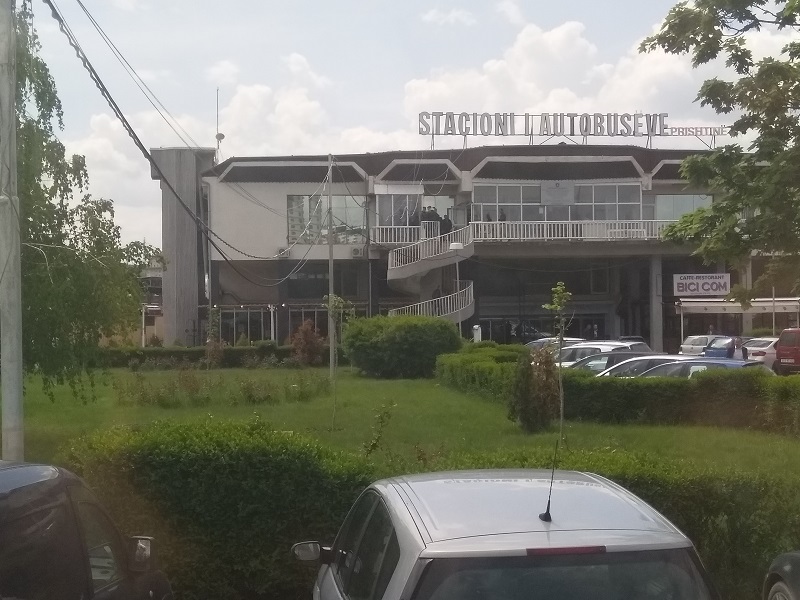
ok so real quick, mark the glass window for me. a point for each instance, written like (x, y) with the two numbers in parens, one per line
(512, 211)
(583, 194)
(36, 557)
(227, 331)
(533, 213)
(581, 213)
(344, 548)
(531, 194)
(485, 194)
(605, 194)
(307, 218)
(385, 210)
(605, 212)
(508, 194)
(628, 194)
(648, 213)
(489, 212)
(644, 575)
(370, 555)
(599, 279)
(629, 212)
(256, 331)
(106, 558)
(558, 213)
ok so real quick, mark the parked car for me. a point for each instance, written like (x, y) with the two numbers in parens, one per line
(783, 578)
(787, 352)
(632, 338)
(576, 352)
(633, 367)
(487, 534)
(57, 541)
(719, 348)
(597, 363)
(552, 342)
(696, 344)
(762, 350)
(690, 368)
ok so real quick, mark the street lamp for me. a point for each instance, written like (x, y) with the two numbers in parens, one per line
(456, 247)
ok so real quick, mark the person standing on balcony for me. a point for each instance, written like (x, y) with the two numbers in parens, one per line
(446, 226)
(502, 215)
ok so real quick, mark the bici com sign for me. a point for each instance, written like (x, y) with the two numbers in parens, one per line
(557, 125)
(702, 284)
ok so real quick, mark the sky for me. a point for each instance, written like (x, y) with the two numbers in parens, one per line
(307, 77)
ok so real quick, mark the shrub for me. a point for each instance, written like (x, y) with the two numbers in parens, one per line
(395, 347)
(534, 398)
(487, 371)
(154, 341)
(307, 345)
(243, 341)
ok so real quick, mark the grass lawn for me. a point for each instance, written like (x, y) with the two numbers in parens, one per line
(423, 415)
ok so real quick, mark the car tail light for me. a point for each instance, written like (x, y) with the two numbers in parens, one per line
(568, 550)
(758, 353)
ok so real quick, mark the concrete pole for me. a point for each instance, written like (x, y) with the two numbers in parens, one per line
(10, 269)
(331, 320)
(656, 307)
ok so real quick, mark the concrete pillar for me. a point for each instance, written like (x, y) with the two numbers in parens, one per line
(615, 288)
(656, 306)
(747, 281)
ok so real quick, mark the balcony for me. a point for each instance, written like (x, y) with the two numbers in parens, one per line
(455, 307)
(489, 231)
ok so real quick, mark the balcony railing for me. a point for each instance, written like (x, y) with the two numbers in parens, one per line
(395, 235)
(568, 230)
(423, 249)
(440, 307)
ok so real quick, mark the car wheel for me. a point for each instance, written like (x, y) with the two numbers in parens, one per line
(780, 591)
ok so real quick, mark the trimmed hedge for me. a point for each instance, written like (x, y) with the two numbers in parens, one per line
(486, 370)
(399, 347)
(232, 356)
(739, 398)
(227, 500)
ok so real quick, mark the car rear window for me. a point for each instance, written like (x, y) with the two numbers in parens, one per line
(757, 343)
(698, 340)
(642, 575)
(788, 338)
(720, 343)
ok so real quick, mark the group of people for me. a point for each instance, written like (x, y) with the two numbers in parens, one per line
(429, 214)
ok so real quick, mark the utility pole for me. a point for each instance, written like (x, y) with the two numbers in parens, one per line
(10, 269)
(331, 320)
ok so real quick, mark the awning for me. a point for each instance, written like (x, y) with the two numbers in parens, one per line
(732, 307)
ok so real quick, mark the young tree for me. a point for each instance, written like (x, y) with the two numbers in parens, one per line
(756, 191)
(79, 282)
(558, 305)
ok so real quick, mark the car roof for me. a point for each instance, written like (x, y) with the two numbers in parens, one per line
(32, 480)
(603, 343)
(498, 510)
(768, 338)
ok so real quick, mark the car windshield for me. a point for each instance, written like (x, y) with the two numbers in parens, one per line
(643, 575)
(699, 340)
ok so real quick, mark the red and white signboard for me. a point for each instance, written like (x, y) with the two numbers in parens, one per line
(701, 284)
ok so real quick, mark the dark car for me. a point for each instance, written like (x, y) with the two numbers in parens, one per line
(57, 541)
(783, 578)
(690, 368)
(598, 363)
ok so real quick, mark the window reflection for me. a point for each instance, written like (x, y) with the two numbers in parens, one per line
(307, 219)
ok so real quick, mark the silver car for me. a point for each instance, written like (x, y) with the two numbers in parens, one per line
(470, 535)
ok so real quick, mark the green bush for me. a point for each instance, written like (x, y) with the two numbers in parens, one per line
(534, 399)
(487, 369)
(399, 347)
(226, 501)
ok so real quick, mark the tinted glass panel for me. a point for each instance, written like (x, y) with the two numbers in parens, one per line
(654, 575)
(102, 545)
(788, 339)
(531, 194)
(370, 554)
(664, 370)
(345, 546)
(605, 194)
(35, 557)
(508, 194)
(485, 194)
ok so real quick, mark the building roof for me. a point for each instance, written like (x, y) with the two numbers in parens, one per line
(432, 165)
(470, 504)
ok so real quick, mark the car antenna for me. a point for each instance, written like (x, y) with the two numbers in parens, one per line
(545, 516)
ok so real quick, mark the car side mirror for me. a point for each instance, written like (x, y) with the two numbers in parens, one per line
(311, 551)
(141, 553)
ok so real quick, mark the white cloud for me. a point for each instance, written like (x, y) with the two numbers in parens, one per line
(302, 72)
(454, 16)
(512, 12)
(223, 72)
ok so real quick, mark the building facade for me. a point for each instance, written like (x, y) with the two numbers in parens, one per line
(519, 219)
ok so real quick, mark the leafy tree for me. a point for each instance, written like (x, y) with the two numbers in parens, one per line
(756, 190)
(78, 280)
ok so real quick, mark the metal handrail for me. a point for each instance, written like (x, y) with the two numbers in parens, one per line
(400, 257)
(568, 230)
(440, 307)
